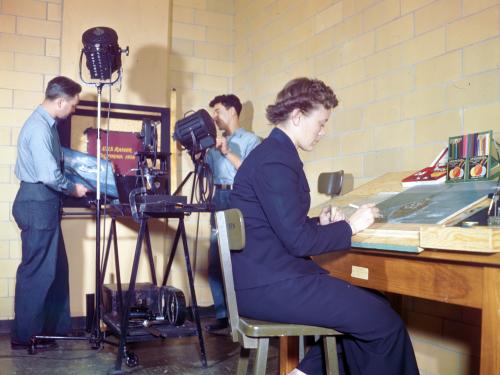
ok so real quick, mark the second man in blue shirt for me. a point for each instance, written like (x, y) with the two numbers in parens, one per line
(224, 160)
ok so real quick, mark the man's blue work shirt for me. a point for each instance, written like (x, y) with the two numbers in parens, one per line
(241, 142)
(39, 153)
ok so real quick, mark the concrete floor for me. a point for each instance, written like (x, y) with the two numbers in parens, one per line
(171, 356)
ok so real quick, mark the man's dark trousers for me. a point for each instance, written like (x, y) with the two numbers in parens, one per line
(42, 286)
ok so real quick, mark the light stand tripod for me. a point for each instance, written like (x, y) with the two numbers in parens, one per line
(202, 178)
(96, 330)
(103, 59)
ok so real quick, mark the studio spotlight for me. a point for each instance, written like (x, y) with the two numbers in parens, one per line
(103, 54)
(196, 132)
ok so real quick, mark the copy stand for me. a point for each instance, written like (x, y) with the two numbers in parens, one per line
(134, 113)
(122, 328)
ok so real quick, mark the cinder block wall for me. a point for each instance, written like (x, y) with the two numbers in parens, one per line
(408, 73)
(201, 67)
(30, 35)
(201, 57)
(446, 338)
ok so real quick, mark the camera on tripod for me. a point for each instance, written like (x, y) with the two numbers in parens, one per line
(153, 179)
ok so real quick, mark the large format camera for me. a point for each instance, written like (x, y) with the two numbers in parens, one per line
(153, 179)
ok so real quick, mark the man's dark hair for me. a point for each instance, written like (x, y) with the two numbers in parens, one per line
(62, 87)
(302, 93)
(227, 101)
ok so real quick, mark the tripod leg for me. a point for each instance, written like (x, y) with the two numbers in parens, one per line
(98, 291)
(117, 269)
(97, 333)
(172, 255)
(112, 231)
(108, 248)
(126, 311)
(194, 306)
(179, 188)
(149, 252)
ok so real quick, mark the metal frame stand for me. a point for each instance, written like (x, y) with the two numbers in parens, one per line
(143, 235)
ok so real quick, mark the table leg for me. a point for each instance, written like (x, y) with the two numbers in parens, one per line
(194, 304)
(289, 354)
(490, 322)
(128, 300)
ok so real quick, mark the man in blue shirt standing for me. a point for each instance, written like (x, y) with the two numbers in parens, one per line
(224, 160)
(41, 303)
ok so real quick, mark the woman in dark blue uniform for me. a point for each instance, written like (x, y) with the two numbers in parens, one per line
(275, 279)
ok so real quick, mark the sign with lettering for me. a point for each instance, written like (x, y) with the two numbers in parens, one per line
(120, 149)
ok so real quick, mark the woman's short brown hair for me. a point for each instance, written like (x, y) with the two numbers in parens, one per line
(302, 93)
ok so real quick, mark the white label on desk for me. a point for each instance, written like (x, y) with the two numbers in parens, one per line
(359, 272)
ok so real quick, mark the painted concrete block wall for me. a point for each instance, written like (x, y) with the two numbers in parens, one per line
(408, 73)
(201, 67)
(30, 35)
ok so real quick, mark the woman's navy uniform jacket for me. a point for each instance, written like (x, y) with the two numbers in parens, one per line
(273, 194)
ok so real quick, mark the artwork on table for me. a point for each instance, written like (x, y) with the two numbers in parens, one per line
(433, 204)
(82, 168)
(375, 199)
